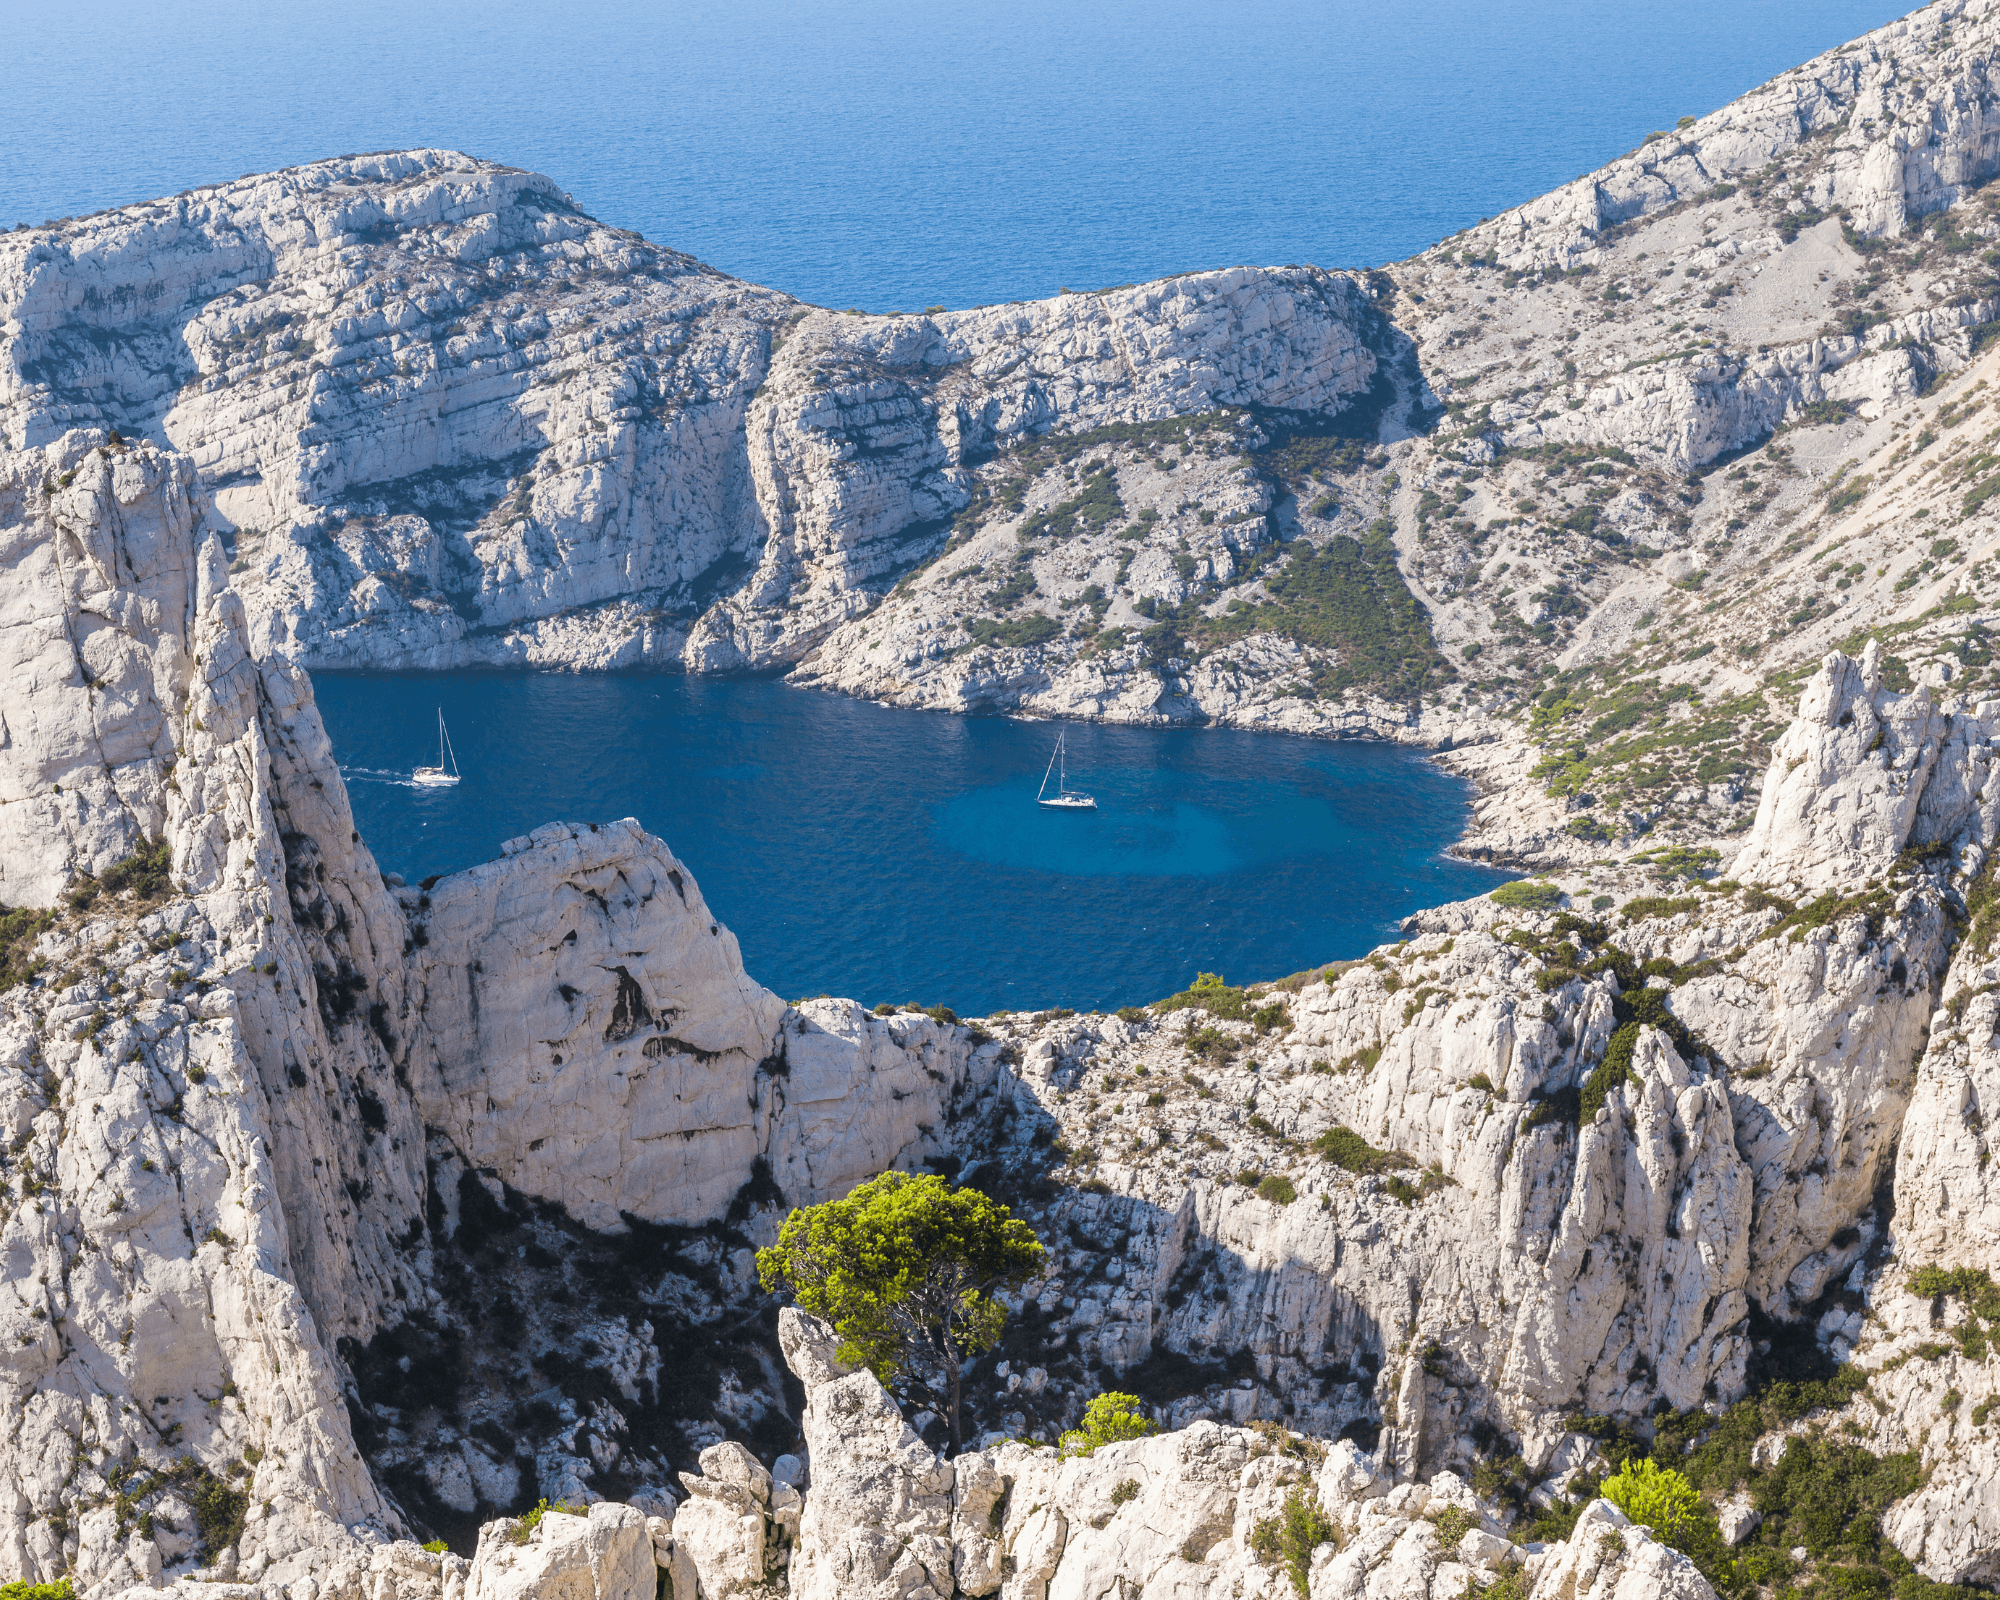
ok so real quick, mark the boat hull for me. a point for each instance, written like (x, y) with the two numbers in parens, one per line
(431, 778)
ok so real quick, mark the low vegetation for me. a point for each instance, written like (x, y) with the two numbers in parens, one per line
(1346, 1149)
(19, 929)
(1528, 894)
(145, 875)
(1289, 1539)
(1348, 599)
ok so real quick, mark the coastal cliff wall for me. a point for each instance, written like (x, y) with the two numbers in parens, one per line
(237, 1059)
(339, 1210)
(443, 418)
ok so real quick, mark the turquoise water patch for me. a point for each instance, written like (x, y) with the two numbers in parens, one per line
(1137, 832)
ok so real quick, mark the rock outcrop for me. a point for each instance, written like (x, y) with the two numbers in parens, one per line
(1620, 1144)
(605, 1553)
(444, 417)
(1180, 1511)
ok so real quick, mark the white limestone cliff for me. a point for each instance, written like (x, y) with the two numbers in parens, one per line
(446, 418)
(1549, 1266)
(233, 1077)
(347, 1206)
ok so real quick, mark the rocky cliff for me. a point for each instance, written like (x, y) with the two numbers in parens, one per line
(342, 1212)
(394, 1210)
(269, 1109)
(441, 417)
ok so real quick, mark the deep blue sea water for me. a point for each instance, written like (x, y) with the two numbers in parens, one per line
(893, 154)
(899, 855)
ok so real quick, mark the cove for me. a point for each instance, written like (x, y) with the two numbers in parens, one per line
(896, 855)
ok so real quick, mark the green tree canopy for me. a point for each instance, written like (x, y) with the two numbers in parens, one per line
(1656, 1497)
(906, 1269)
(1110, 1418)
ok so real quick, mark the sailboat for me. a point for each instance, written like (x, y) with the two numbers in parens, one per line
(1065, 798)
(437, 777)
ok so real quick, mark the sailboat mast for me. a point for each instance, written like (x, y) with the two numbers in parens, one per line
(1050, 768)
(444, 744)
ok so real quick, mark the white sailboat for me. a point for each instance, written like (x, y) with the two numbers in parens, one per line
(437, 777)
(1065, 798)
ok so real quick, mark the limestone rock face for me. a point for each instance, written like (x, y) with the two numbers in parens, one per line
(1606, 1558)
(1714, 1184)
(861, 1093)
(859, 440)
(448, 418)
(1947, 1527)
(1947, 1201)
(249, 1083)
(878, 1517)
(101, 577)
(1176, 1512)
(191, 1243)
(1929, 70)
(724, 1525)
(588, 1015)
(1846, 782)
(603, 1555)
(597, 1041)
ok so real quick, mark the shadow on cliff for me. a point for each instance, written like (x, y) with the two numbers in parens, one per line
(1186, 1344)
(558, 1360)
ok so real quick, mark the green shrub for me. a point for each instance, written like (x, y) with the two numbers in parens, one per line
(1656, 1497)
(1348, 599)
(20, 1589)
(1209, 993)
(18, 932)
(1452, 1524)
(1528, 894)
(145, 874)
(1973, 1286)
(1289, 1538)
(1029, 631)
(1614, 1069)
(218, 1512)
(1345, 1148)
(1095, 506)
(1278, 1189)
(1659, 906)
(1111, 1418)
(529, 1521)
(1211, 1044)
(1429, 1181)
(437, 1547)
(1127, 1490)
(908, 1271)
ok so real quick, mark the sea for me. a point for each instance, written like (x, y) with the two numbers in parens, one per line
(899, 856)
(897, 154)
(890, 156)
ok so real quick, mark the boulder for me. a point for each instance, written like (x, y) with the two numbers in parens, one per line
(606, 1554)
(1607, 1558)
